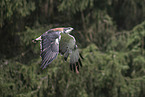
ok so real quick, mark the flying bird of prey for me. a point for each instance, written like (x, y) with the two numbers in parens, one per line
(58, 40)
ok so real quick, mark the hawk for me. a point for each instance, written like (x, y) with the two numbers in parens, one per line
(58, 40)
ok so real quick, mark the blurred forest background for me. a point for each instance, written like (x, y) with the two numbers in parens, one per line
(109, 33)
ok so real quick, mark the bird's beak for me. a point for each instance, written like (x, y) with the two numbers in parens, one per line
(72, 28)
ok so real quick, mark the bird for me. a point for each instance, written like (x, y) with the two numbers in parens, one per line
(58, 40)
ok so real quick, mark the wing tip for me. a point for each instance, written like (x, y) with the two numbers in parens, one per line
(76, 66)
(80, 63)
(65, 58)
(81, 56)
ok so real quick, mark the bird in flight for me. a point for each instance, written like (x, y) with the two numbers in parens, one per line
(58, 40)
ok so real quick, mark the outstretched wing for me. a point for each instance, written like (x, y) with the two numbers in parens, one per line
(68, 46)
(49, 47)
(75, 59)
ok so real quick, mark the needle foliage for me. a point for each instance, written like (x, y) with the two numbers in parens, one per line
(109, 33)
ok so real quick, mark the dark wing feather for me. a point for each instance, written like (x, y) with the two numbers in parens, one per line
(66, 54)
(50, 48)
(75, 60)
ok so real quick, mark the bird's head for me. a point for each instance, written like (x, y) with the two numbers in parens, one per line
(67, 30)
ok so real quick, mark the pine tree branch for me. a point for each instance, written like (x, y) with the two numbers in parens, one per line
(65, 92)
(39, 86)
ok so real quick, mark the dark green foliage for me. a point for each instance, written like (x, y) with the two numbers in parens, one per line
(127, 13)
(113, 62)
(110, 74)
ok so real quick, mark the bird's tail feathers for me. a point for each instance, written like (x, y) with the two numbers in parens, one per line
(35, 40)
